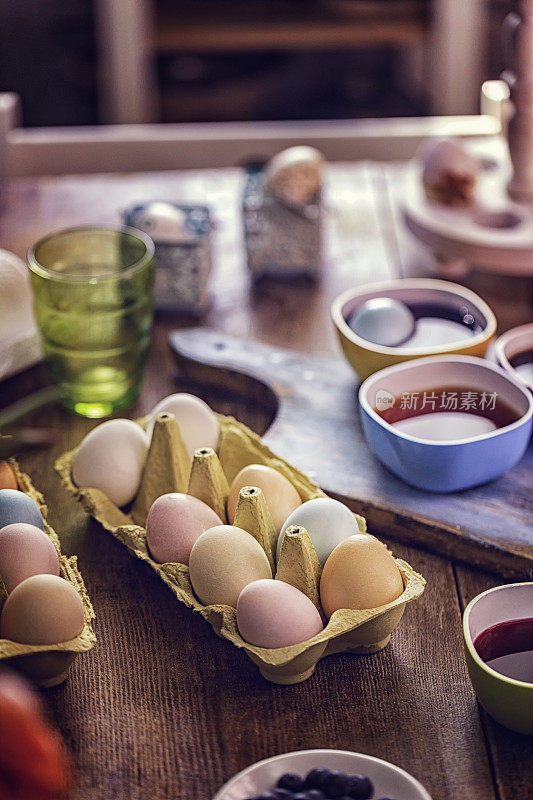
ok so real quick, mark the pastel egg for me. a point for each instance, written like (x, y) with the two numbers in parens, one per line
(25, 550)
(43, 609)
(16, 506)
(198, 424)
(360, 573)
(327, 522)
(174, 523)
(7, 476)
(280, 495)
(111, 458)
(272, 613)
(223, 561)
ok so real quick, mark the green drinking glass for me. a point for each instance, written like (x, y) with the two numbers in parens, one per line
(92, 290)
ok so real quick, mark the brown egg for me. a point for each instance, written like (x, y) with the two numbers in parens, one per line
(7, 476)
(43, 609)
(223, 561)
(280, 495)
(360, 573)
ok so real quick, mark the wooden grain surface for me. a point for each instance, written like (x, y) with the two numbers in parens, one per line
(162, 708)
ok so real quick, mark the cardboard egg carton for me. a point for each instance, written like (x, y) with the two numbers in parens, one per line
(168, 469)
(48, 664)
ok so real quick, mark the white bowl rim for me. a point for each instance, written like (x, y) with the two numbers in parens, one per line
(414, 283)
(501, 343)
(419, 362)
(321, 752)
(470, 644)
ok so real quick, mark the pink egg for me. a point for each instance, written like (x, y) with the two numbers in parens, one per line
(174, 523)
(25, 550)
(273, 613)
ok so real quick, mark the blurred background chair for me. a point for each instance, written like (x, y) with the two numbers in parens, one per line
(133, 61)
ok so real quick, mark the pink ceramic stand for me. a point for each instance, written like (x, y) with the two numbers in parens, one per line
(496, 232)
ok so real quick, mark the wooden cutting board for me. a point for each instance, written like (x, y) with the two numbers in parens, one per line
(316, 426)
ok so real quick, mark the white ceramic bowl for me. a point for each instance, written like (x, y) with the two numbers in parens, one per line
(388, 780)
(511, 344)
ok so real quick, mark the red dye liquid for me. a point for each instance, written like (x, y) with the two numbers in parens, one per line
(512, 638)
(450, 398)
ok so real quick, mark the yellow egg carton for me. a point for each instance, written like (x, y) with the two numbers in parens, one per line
(168, 469)
(48, 664)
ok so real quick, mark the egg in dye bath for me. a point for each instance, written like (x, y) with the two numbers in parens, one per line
(111, 458)
(327, 522)
(360, 573)
(280, 495)
(197, 422)
(16, 506)
(223, 561)
(174, 523)
(25, 550)
(43, 609)
(272, 613)
(384, 321)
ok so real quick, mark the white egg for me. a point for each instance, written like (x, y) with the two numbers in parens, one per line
(198, 424)
(164, 222)
(327, 522)
(111, 458)
(383, 321)
(449, 172)
(295, 174)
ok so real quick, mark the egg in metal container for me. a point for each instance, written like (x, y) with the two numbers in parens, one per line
(25, 550)
(174, 523)
(43, 609)
(111, 458)
(327, 522)
(16, 506)
(272, 613)
(198, 424)
(223, 561)
(280, 495)
(360, 573)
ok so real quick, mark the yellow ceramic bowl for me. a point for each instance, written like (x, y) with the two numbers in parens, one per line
(508, 700)
(366, 357)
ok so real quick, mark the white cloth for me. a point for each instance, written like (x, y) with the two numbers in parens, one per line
(20, 342)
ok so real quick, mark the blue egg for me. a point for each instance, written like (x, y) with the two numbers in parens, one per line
(16, 506)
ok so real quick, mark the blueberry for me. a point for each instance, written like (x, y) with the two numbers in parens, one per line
(291, 781)
(280, 794)
(313, 779)
(359, 787)
(334, 784)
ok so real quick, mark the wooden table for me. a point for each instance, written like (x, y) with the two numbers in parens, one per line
(162, 708)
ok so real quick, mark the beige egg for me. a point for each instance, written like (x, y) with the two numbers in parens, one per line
(43, 609)
(360, 573)
(223, 561)
(111, 458)
(280, 495)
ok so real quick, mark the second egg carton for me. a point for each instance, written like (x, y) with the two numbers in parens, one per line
(48, 664)
(168, 469)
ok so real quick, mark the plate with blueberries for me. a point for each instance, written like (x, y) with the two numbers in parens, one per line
(323, 775)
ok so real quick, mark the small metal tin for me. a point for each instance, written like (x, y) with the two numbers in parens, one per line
(281, 240)
(183, 252)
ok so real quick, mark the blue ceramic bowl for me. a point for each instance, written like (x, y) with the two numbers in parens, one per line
(444, 448)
